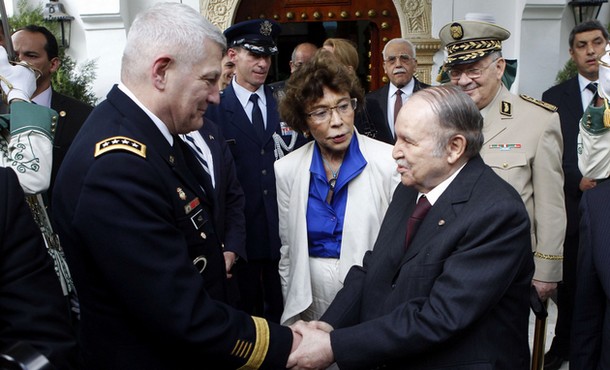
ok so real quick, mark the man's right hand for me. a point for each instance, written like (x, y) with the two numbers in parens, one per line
(545, 289)
(586, 184)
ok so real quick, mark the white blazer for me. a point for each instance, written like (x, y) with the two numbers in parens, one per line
(369, 195)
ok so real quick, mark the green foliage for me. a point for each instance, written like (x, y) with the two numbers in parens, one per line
(70, 79)
(568, 71)
(75, 81)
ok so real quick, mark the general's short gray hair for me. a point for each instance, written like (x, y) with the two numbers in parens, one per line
(174, 28)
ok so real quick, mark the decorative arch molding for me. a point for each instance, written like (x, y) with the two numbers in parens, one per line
(416, 25)
(219, 12)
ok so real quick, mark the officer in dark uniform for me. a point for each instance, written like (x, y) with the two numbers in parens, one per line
(257, 138)
(136, 222)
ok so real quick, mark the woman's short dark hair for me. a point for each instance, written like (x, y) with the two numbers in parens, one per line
(306, 86)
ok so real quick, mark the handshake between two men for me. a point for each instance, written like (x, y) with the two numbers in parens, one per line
(311, 349)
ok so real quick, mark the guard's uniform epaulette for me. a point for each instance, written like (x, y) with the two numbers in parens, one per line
(120, 143)
(540, 103)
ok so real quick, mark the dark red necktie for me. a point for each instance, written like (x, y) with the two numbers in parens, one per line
(421, 209)
(397, 104)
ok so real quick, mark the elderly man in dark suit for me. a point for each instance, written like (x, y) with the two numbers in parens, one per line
(382, 105)
(38, 46)
(250, 122)
(453, 293)
(590, 341)
(587, 41)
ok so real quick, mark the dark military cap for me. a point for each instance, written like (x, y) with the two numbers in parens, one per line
(257, 36)
(468, 41)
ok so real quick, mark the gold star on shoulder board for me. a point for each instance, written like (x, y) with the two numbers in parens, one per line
(120, 143)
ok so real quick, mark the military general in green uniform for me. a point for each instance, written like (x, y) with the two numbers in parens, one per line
(523, 142)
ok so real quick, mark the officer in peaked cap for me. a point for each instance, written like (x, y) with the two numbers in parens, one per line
(523, 140)
(469, 41)
(257, 36)
(250, 122)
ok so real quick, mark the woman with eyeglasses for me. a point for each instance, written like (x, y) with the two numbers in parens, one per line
(332, 192)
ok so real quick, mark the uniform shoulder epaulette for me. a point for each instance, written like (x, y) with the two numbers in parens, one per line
(540, 103)
(120, 143)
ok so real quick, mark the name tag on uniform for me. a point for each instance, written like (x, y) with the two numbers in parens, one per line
(504, 146)
(286, 131)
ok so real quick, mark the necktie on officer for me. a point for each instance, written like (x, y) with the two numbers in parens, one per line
(257, 116)
(397, 104)
(193, 164)
(421, 210)
(198, 153)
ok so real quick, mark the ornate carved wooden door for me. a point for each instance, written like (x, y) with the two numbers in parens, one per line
(368, 23)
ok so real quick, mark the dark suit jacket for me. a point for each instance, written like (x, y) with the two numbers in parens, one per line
(132, 224)
(457, 298)
(590, 348)
(32, 306)
(229, 202)
(72, 114)
(566, 96)
(374, 119)
(254, 160)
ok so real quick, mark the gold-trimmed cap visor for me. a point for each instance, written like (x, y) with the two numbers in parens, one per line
(469, 41)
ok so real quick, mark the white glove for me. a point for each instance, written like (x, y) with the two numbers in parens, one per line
(17, 81)
(604, 74)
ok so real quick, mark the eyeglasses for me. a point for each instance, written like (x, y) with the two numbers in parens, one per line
(471, 73)
(403, 58)
(322, 115)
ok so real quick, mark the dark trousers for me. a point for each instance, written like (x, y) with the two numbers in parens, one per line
(260, 290)
(565, 299)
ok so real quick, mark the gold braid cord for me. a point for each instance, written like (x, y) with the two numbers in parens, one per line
(548, 256)
(606, 114)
